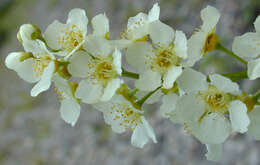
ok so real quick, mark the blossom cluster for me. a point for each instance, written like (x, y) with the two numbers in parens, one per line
(86, 67)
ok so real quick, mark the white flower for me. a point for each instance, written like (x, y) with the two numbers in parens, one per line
(70, 107)
(138, 26)
(204, 107)
(100, 68)
(69, 37)
(248, 46)
(36, 65)
(159, 63)
(122, 116)
(204, 40)
(253, 129)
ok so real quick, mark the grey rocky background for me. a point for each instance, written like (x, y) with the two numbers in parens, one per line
(32, 132)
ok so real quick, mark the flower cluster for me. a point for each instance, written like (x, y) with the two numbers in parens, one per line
(87, 68)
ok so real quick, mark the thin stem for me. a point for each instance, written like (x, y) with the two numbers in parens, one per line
(236, 76)
(256, 95)
(142, 100)
(129, 74)
(223, 49)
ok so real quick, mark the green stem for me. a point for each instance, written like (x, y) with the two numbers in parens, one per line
(142, 100)
(129, 74)
(223, 49)
(236, 76)
(256, 95)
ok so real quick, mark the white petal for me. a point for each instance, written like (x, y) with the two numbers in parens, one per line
(224, 84)
(253, 71)
(168, 105)
(110, 89)
(195, 45)
(26, 71)
(142, 133)
(70, 111)
(53, 33)
(117, 61)
(78, 17)
(161, 33)
(136, 55)
(213, 129)
(97, 45)
(62, 85)
(247, 45)
(180, 44)
(45, 82)
(172, 74)
(154, 13)
(210, 17)
(257, 24)
(192, 81)
(253, 129)
(78, 66)
(100, 25)
(12, 61)
(89, 92)
(120, 44)
(214, 152)
(238, 116)
(148, 81)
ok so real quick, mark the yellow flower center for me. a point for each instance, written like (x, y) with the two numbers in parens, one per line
(210, 43)
(71, 38)
(126, 116)
(164, 58)
(40, 63)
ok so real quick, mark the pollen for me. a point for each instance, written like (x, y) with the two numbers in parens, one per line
(40, 63)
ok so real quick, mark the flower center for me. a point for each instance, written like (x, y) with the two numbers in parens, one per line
(210, 43)
(127, 117)
(71, 38)
(40, 63)
(164, 58)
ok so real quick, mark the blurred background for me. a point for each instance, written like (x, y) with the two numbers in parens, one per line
(32, 132)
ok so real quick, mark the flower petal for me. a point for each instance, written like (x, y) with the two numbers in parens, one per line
(137, 26)
(13, 61)
(253, 71)
(214, 152)
(148, 81)
(45, 82)
(192, 81)
(238, 116)
(168, 105)
(89, 92)
(161, 33)
(97, 45)
(70, 111)
(247, 45)
(154, 13)
(180, 44)
(110, 89)
(253, 129)
(142, 133)
(224, 84)
(170, 77)
(117, 61)
(257, 24)
(100, 25)
(210, 17)
(62, 85)
(78, 17)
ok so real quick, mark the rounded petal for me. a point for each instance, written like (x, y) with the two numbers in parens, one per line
(168, 105)
(214, 152)
(97, 45)
(78, 66)
(70, 111)
(137, 26)
(247, 45)
(53, 33)
(213, 129)
(210, 17)
(89, 92)
(62, 85)
(253, 71)
(161, 33)
(253, 129)
(180, 44)
(26, 71)
(238, 116)
(224, 84)
(154, 13)
(192, 81)
(257, 24)
(117, 61)
(13, 61)
(78, 17)
(110, 89)
(142, 133)
(148, 81)
(170, 77)
(100, 25)
(45, 82)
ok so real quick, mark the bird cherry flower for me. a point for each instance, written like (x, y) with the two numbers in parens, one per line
(248, 46)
